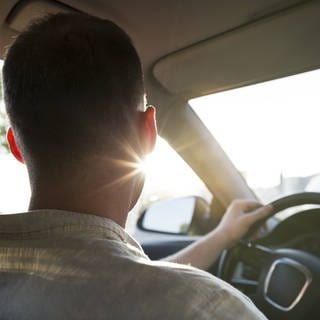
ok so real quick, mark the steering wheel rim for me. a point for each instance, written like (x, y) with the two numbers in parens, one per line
(292, 264)
(283, 203)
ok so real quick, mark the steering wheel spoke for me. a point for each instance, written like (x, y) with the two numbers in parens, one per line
(245, 263)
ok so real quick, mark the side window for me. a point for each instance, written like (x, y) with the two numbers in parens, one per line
(167, 176)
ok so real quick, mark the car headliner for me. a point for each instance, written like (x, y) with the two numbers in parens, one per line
(158, 28)
(192, 47)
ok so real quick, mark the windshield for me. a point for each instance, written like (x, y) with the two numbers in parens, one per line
(270, 131)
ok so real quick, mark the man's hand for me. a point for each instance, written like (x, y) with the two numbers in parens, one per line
(237, 220)
(239, 217)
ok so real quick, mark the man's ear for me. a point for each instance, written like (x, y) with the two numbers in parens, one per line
(13, 146)
(149, 129)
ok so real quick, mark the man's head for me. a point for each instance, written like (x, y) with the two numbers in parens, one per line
(73, 84)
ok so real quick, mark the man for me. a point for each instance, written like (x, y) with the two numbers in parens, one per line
(75, 98)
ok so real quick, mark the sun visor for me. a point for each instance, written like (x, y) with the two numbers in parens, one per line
(22, 15)
(284, 44)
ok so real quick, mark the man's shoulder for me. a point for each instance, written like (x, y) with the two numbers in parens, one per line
(197, 294)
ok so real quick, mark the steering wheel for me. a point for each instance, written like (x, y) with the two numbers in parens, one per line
(286, 281)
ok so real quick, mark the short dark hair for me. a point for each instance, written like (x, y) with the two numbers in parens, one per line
(71, 83)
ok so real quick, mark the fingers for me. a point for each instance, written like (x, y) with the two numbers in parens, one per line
(246, 205)
(260, 213)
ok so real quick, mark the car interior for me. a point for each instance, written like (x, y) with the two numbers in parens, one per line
(191, 49)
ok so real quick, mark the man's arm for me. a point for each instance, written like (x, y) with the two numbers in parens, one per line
(237, 220)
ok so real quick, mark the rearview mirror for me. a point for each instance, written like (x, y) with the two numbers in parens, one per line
(180, 216)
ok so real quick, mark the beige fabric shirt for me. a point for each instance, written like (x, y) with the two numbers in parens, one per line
(64, 265)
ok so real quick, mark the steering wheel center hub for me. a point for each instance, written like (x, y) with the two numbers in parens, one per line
(286, 282)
